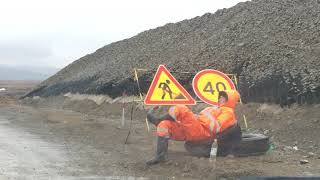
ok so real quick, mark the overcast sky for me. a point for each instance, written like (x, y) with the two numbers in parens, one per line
(57, 32)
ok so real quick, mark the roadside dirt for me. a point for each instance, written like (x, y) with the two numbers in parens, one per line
(40, 142)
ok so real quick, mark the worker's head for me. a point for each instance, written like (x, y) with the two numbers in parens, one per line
(228, 98)
(223, 97)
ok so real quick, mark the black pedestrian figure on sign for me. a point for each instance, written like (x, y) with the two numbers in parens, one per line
(166, 89)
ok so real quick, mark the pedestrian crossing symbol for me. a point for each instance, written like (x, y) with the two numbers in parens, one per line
(166, 90)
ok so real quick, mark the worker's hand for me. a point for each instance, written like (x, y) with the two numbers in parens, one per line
(151, 111)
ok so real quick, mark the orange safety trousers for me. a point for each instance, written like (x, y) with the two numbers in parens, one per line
(186, 127)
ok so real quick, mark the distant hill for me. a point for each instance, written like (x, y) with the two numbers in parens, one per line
(26, 72)
(273, 47)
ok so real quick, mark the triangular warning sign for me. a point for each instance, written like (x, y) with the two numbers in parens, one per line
(166, 90)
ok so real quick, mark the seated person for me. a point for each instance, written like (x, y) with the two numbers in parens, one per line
(199, 131)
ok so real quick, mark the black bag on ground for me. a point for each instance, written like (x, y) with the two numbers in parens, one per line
(199, 148)
(228, 140)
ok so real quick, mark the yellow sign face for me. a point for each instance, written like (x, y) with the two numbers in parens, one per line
(166, 90)
(208, 83)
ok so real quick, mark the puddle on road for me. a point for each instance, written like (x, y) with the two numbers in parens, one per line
(23, 154)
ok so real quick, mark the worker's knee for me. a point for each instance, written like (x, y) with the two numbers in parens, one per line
(165, 124)
(182, 109)
(163, 128)
(181, 113)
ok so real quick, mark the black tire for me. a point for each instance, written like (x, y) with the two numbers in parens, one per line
(251, 145)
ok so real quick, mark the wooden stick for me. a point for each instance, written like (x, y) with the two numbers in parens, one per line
(147, 123)
(137, 79)
(141, 97)
(245, 121)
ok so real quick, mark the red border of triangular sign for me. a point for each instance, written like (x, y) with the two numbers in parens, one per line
(188, 101)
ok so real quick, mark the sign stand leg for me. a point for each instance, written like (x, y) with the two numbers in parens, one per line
(244, 116)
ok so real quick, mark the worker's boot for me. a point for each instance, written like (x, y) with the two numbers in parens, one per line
(162, 151)
(156, 120)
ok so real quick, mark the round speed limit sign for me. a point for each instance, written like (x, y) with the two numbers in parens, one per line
(207, 84)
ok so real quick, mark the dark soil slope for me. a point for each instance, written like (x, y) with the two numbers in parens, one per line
(273, 46)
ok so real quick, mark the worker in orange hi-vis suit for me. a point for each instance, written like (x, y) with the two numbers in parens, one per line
(181, 124)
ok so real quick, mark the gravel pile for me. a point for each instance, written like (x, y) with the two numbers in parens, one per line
(273, 46)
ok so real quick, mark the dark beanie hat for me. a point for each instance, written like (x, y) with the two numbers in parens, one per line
(224, 94)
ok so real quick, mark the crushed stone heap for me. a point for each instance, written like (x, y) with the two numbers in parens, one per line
(273, 46)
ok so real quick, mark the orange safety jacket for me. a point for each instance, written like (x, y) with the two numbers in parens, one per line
(219, 119)
(212, 119)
